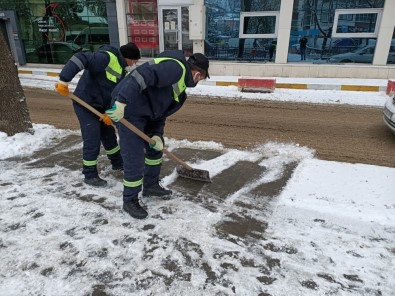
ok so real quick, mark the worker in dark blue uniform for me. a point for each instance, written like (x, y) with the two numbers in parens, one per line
(146, 97)
(103, 70)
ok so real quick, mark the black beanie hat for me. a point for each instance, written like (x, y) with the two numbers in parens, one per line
(200, 61)
(130, 51)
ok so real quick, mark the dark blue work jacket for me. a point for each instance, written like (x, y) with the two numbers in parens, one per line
(94, 86)
(149, 92)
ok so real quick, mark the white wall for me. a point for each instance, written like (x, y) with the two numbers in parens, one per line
(284, 31)
(121, 16)
(223, 68)
(385, 34)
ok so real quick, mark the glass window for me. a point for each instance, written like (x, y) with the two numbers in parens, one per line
(143, 11)
(241, 30)
(258, 25)
(142, 24)
(50, 29)
(356, 23)
(335, 31)
(187, 44)
(391, 54)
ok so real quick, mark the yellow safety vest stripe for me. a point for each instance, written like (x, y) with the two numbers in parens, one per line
(132, 183)
(113, 69)
(180, 86)
(89, 162)
(113, 151)
(150, 161)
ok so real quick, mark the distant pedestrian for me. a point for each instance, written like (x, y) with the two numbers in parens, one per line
(303, 47)
(272, 50)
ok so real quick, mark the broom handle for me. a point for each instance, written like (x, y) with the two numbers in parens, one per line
(132, 128)
(87, 106)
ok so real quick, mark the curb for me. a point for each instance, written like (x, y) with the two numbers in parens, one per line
(312, 86)
(302, 86)
(34, 72)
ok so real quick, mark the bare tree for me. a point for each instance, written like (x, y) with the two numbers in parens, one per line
(14, 114)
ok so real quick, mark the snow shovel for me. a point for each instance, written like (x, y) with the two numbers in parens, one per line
(184, 170)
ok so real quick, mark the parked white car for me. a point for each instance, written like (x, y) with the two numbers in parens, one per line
(361, 55)
(389, 113)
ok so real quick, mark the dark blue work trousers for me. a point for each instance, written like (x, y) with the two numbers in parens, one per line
(94, 133)
(141, 163)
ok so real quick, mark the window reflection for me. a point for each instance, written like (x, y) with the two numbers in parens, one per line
(355, 38)
(223, 30)
(142, 25)
(391, 54)
(52, 31)
(259, 25)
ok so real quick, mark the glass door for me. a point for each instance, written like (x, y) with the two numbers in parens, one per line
(174, 29)
(171, 29)
(186, 43)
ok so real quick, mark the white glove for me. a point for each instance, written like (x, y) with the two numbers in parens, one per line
(117, 111)
(158, 145)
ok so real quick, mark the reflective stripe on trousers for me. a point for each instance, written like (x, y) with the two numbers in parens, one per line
(141, 163)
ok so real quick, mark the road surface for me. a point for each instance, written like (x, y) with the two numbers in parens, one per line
(344, 133)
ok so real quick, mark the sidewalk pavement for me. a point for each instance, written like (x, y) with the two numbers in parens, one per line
(345, 84)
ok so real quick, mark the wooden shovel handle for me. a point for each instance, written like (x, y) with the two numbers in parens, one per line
(87, 106)
(149, 140)
(132, 128)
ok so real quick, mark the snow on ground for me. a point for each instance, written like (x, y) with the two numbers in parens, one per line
(330, 231)
(337, 97)
(375, 99)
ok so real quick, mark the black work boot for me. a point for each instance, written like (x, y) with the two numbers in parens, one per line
(96, 182)
(134, 209)
(156, 190)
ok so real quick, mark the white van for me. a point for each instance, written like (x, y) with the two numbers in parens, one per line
(92, 37)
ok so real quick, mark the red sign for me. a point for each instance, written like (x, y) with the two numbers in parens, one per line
(143, 23)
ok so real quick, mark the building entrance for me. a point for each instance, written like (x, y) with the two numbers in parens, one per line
(174, 29)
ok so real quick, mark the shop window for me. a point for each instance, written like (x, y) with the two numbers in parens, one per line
(49, 29)
(142, 24)
(143, 11)
(339, 31)
(356, 23)
(243, 31)
(391, 54)
(258, 24)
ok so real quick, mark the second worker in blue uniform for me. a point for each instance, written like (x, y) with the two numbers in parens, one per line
(103, 70)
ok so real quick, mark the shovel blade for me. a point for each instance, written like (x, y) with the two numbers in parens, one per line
(194, 174)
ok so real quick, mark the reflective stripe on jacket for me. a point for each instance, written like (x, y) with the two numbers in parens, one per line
(180, 86)
(113, 69)
(103, 70)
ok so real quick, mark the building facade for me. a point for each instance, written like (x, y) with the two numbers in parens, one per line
(343, 38)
